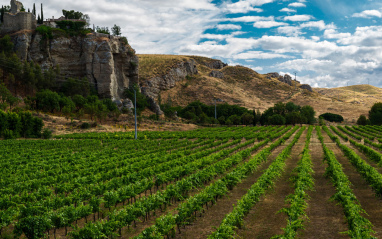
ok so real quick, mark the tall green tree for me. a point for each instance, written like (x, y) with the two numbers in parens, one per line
(42, 15)
(116, 30)
(375, 114)
(34, 9)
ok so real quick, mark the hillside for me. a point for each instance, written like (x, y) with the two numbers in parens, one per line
(243, 86)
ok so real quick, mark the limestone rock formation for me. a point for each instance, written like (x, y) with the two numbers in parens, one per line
(216, 64)
(286, 79)
(109, 64)
(306, 87)
(273, 75)
(217, 74)
(153, 86)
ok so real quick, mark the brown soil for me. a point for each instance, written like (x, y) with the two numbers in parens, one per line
(326, 219)
(369, 202)
(263, 221)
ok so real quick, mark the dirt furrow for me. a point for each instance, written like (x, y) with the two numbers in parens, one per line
(364, 193)
(326, 219)
(263, 221)
(204, 225)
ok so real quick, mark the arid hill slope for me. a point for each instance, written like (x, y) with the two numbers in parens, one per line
(243, 86)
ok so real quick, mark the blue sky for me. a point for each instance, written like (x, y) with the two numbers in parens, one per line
(329, 43)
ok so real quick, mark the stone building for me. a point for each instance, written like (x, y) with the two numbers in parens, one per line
(15, 20)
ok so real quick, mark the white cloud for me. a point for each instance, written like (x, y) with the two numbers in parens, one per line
(316, 24)
(228, 27)
(290, 30)
(250, 19)
(369, 14)
(268, 24)
(296, 4)
(259, 55)
(298, 18)
(287, 10)
(334, 34)
(245, 6)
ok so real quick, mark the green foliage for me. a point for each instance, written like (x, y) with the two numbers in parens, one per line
(48, 101)
(71, 14)
(47, 134)
(375, 114)
(71, 25)
(45, 31)
(124, 40)
(292, 114)
(362, 120)
(276, 119)
(6, 45)
(104, 30)
(116, 30)
(85, 125)
(332, 117)
(142, 102)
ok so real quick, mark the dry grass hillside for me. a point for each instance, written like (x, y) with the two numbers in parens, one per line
(245, 87)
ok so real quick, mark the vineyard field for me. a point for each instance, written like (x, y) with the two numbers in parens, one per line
(211, 183)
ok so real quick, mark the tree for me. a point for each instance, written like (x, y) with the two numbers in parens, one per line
(42, 15)
(276, 119)
(332, 117)
(104, 30)
(256, 117)
(116, 30)
(247, 119)
(308, 112)
(71, 14)
(375, 114)
(34, 9)
(47, 100)
(6, 45)
(362, 120)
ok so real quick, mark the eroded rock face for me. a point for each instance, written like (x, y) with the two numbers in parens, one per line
(218, 64)
(217, 74)
(109, 64)
(153, 86)
(306, 87)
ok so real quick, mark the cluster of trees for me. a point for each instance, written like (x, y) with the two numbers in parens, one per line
(115, 30)
(375, 116)
(288, 113)
(22, 124)
(332, 117)
(200, 113)
(76, 105)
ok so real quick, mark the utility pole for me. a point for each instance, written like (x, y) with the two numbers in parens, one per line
(295, 80)
(135, 110)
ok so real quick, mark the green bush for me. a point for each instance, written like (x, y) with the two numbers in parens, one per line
(45, 31)
(85, 125)
(8, 134)
(332, 117)
(47, 134)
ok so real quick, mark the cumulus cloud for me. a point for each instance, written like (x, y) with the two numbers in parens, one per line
(298, 18)
(297, 4)
(259, 55)
(369, 14)
(285, 9)
(245, 6)
(268, 24)
(228, 27)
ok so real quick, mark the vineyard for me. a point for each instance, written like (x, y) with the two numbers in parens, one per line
(215, 183)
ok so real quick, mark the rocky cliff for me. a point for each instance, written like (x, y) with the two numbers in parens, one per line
(108, 63)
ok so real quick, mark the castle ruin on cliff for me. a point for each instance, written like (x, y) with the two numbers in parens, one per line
(15, 20)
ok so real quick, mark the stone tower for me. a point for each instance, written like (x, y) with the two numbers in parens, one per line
(15, 20)
(15, 6)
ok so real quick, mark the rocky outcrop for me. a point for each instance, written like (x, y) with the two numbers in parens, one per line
(273, 75)
(306, 87)
(153, 86)
(285, 79)
(216, 64)
(217, 74)
(110, 65)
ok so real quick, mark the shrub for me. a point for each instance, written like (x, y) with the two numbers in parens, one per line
(8, 134)
(332, 117)
(276, 120)
(362, 120)
(85, 125)
(47, 134)
(154, 117)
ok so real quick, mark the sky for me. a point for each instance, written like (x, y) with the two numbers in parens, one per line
(327, 43)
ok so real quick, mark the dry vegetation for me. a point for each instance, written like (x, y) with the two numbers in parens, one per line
(245, 87)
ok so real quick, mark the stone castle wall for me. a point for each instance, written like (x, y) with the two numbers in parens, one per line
(18, 22)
